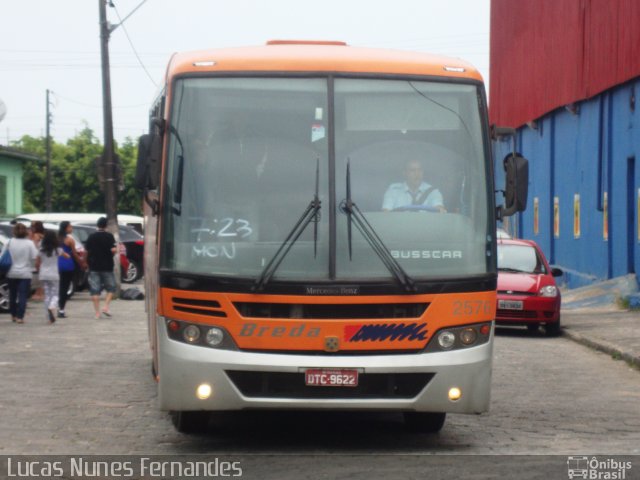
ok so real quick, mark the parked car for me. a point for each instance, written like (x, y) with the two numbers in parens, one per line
(6, 228)
(527, 290)
(131, 249)
(134, 221)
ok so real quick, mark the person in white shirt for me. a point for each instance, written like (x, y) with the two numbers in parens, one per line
(47, 267)
(23, 254)
(413, 192)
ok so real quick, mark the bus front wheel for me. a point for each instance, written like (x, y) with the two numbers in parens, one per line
(424, 422)
(190, 422)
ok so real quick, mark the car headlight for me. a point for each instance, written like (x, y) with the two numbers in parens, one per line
(548, 291)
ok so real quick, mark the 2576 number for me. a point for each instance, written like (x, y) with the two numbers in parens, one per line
(472, 307)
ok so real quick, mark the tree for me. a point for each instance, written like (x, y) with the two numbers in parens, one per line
(75, 186)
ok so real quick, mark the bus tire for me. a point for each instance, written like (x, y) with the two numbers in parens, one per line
(190, 422)
(424, 422)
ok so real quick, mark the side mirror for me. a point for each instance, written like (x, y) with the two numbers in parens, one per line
(516, 169)
(556, 272)
(141, 180)
(148, 167)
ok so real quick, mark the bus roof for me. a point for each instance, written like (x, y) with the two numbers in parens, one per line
(306, 56)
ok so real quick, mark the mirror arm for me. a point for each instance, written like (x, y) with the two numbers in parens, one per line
(152, 202)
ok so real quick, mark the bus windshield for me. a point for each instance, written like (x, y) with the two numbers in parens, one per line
(247, 155)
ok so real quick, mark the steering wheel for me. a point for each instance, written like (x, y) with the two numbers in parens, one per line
(416, 208)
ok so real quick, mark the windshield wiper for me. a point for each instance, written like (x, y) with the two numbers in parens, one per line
(309, 215)
(354, 215)
(511, 270)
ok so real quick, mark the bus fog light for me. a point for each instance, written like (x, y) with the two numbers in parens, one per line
(446, 339)
(214, 337)
(191, 334)
(468, 336)
(454, 394)
(203, 391)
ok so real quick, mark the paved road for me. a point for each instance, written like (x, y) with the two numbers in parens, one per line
(83, 386)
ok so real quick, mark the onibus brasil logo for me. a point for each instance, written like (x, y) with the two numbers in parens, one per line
(597, 469)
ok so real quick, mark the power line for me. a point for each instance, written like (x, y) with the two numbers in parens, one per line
(132, 46)
(98, 106)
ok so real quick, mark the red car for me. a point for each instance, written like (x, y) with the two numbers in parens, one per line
(527, 291)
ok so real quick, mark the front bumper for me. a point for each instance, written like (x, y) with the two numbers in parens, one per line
(535, 309)
(183, 367)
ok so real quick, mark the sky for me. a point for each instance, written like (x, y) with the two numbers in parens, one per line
(55, 45)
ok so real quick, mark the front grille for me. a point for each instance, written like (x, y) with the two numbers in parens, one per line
(515, 314)
(291, 385)
(198, 307)
(323, 311)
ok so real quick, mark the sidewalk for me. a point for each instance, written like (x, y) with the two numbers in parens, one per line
(590, 316)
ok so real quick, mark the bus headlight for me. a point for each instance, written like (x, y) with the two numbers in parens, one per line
(214, 337)
(191, 333)
(199, 335)
(446, 339)
(455, 338)
(468, 336)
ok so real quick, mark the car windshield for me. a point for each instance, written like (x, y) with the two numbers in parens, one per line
(519, 258)
(245, 156)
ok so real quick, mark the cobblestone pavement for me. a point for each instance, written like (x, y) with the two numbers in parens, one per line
(84, 386)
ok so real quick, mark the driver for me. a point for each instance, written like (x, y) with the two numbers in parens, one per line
(413, 192)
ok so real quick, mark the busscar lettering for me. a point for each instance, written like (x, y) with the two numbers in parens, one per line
(385, 331)
(255, 330)
(427, 254)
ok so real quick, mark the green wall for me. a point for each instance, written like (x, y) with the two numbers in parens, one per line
(10, 185)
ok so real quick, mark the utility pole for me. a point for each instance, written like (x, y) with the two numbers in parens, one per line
(108, 163)
(47, 186)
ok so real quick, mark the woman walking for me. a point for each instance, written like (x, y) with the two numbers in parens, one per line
(36, 233)
(66, 265)
(47, 266)
(23, 253)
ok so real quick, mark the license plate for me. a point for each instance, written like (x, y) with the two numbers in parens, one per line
(331, 378)
(510, 304)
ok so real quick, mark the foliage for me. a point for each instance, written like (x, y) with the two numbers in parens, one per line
(74, 179)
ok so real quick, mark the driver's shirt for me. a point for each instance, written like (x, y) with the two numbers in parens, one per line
(399, 195)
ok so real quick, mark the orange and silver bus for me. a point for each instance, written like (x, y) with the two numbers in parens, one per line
(320, 228)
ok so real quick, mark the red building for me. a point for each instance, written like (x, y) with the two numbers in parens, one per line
(566, 74)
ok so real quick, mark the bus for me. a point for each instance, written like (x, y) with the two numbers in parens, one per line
(283, 270)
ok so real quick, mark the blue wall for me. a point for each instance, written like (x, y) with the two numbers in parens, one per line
(590, 151)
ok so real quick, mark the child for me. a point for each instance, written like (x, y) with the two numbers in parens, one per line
(47, 266)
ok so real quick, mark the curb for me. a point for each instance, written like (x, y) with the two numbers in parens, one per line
(602, 346)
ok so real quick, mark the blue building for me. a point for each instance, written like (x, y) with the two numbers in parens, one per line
(578, 124)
